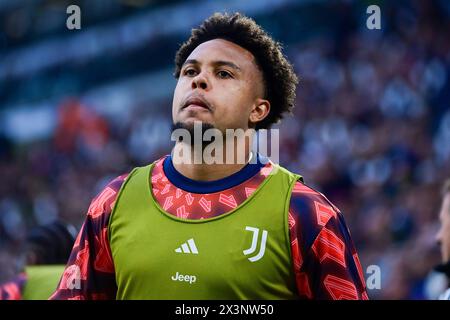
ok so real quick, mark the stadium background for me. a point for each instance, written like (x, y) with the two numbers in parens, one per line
(371, 128)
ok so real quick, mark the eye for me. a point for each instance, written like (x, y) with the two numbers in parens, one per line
(190, 72)
(224, 74)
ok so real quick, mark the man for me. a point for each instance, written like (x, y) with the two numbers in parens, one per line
(46, 252)
(443, 236)
(180, 229)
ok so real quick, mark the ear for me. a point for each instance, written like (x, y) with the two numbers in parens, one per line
(260, 110)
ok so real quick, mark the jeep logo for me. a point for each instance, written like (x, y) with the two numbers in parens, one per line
(185, 278)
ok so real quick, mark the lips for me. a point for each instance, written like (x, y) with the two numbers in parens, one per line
(196, 102)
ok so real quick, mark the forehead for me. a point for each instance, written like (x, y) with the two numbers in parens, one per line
(220, 49)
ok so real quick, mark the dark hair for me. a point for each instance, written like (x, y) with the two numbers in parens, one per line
(51, 243)
(279, 77)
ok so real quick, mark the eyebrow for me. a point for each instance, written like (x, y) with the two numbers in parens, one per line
(215, 63)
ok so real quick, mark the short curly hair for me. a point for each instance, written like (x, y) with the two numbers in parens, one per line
(280, 80)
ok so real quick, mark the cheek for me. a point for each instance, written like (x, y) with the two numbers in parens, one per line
(178, 91)
(177, 96)
(446, 230)
(238, 99)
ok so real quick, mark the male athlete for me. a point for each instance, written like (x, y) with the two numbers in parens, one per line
(185, 230)
(443, 236)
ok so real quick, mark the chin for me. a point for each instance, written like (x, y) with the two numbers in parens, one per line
(189, 125)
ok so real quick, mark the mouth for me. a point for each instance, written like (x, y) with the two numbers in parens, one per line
(196, 103)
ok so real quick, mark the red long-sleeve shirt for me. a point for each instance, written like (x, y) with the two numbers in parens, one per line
(324, 258)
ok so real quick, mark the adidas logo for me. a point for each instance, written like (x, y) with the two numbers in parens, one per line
(188, 247)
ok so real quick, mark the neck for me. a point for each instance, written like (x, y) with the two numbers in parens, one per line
(204, 169)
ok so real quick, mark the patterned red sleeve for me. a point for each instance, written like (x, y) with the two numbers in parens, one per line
(13, 289)
(325, 261)
(89, 273)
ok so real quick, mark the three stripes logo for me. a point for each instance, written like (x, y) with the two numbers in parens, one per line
(252, 249)
(188, 247)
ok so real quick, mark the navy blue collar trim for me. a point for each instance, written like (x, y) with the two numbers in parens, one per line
(189, 185)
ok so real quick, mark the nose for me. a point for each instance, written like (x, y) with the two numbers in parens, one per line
(200, 82)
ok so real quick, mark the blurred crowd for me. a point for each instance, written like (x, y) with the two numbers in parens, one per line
(371, 130)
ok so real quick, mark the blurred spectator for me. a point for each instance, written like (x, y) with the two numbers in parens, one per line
(46, 252)
(443, 237)
(79, 127)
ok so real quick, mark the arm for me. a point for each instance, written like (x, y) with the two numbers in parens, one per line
(326, 264)
(89, 273)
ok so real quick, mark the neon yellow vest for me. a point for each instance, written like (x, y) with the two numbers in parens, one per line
(42, 281)
(243, 254)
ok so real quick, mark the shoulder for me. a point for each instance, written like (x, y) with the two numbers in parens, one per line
(105, 200)
(310, 211)
(304, 194)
